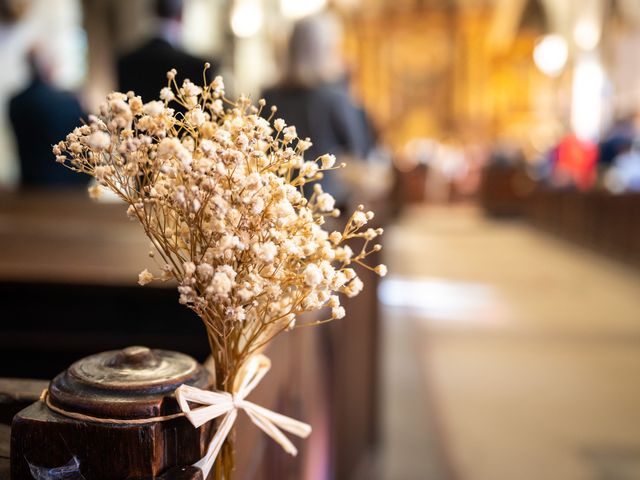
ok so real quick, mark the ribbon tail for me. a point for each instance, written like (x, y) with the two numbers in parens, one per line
(206, 463)
(291, 425)
(271, 430)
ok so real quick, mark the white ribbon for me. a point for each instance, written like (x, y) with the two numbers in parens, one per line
(216, 404)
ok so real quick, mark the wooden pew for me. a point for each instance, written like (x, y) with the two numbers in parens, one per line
(598, 220)
(595, 219)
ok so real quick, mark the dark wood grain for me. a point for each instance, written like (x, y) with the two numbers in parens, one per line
(104, 451)
(122, 385)
(5, 435)
(16, 394)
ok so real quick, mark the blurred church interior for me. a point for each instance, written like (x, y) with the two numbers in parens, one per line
(504, 162)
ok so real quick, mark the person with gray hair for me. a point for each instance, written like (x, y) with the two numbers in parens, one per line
(312, 95)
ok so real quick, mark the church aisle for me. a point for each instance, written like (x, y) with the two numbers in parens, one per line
(526, 358)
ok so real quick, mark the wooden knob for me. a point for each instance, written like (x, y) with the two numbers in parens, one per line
(133, 357)
(137, 354)
(134, 382)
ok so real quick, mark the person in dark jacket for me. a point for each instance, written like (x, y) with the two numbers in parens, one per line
(313, 96)
(41, 115)
(144, 69)
(617, 141)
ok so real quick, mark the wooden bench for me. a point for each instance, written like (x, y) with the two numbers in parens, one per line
(598, 220)
(595, 219)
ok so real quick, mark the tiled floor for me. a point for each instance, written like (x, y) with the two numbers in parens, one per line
(510, 355)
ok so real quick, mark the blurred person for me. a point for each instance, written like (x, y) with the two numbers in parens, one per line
(506, 154)
(312, 95)
(42, 115)
(144, 69)
(574, 163)
(624, 174)
(618, 140)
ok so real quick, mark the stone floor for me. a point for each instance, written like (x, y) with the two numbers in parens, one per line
(509, 355)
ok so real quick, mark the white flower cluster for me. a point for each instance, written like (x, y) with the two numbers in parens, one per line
(223, 195)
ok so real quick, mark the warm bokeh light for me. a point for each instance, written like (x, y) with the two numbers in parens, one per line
(586, 34)
(550, 54)
(246, 18)
(295, 9)
(586, 108)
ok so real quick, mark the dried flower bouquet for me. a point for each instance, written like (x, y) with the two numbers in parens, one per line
(224, 196)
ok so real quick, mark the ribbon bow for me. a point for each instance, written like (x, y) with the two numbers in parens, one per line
(216, 404)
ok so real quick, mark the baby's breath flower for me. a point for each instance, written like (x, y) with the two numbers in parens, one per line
(217, 106)
(338, 312)
(359, 219)
(304, 145)
(335, 237)
(309, 169)
(289, 133)
(205, 271)
(154, 108)
(266, 251)
(349, 273)
(98, 140)
(131, 212)
(328, 160)
(145, 277)
(196, 117)
(279, 124)
(370, 234)
(220, 284)
(354, 287)
(167, 95)
(381, 270)
(325, 202)
(218, 84)
(101, 172)
(167, 273)
(136, 105)
(312, 275)
(344, 254)
(189, 268)
(334, 301)
(94, 191)
(190, 89)
(290, 321)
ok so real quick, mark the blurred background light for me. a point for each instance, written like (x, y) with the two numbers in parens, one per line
(587, 89)
(586, 34)
(197, 34)
(550, 54)
(246, 18)
(295, 9)
(442, 299)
